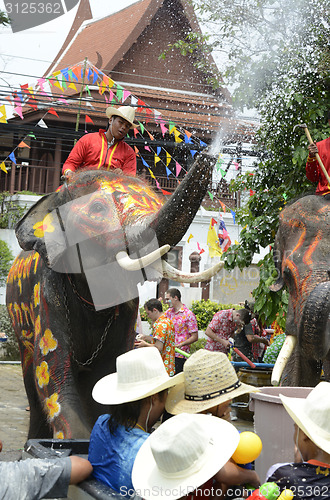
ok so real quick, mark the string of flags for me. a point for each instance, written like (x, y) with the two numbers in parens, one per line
(113, 93)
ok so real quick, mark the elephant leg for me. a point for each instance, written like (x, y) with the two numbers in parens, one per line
(38, 425)
(326, 367)
(301, 370)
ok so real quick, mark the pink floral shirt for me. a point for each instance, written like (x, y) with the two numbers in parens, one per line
(223, 325)
(185, 324)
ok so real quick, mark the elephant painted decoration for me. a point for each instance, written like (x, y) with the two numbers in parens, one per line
(72, 293)
(302, 257)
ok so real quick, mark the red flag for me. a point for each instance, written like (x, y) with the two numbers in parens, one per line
(88, 119)
(53, 112)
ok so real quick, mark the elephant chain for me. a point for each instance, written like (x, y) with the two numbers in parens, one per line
(102, 340)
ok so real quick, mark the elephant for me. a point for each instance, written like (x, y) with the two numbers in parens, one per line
(302, 258)
(72, 292)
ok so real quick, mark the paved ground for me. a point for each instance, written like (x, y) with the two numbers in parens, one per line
(14, 419)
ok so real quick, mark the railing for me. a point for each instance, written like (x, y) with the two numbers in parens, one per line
(37, 179)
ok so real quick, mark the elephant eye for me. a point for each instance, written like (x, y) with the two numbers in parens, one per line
(97, 208)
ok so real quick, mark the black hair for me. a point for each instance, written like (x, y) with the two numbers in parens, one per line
(245, 315)
(127, 414)
(174, 292)
(152, 304)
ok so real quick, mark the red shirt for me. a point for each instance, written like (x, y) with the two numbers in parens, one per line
(313, 169)
(92, 152)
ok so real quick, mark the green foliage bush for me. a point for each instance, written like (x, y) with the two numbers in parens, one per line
(10, 211)
(5, 261)
(204, 311)
(10, 351)
(199, 344)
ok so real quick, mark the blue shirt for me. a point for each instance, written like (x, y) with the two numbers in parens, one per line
(113, 455)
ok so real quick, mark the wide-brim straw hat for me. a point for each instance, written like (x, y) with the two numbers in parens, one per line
(126, 112)
(182, 454)
(312, 414)
(140, 373)
(209, 380)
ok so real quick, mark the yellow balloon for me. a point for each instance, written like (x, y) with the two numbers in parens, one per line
(248, 449)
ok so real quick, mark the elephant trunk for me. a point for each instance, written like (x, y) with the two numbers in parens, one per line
(174, 218)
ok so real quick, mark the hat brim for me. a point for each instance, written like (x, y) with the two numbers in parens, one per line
(296, 409)
(176, 402)
(150, 483)
(115, 112)
(107, 391)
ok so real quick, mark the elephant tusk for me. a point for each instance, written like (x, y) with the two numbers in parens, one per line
(129, 264)
(171, 273)
(285, 353)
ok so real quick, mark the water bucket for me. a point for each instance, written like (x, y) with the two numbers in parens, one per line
(250, 376)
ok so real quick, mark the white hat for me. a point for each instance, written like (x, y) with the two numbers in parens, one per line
(182, 454)
(126, 112)
(312, 414)
(209, 379)
(140, 373)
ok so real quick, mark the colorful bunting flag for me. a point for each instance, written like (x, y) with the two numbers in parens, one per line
(3, 114)
(178, 168)
(12, 157)
(224, 239)
(213, 240)
(88, 119)
(190, 236)
(233, 214)
(53, 112)
(3, 167)
(22, 144)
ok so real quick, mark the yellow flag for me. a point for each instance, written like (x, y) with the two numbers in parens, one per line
(152, 174)
(168, 158)
(177, 135)
(213, 242)
(3, 167)
(190, 236)
(157, 159)
(3, 115)
(72, 86)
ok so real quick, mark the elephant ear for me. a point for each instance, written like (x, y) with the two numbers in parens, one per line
(40, 229)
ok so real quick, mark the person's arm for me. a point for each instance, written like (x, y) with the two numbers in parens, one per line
(157, 343)
(76, 158)
(312, 169)
(80, 469)
(190, 340)
(255, 339)
(210, 333)
(232, 474)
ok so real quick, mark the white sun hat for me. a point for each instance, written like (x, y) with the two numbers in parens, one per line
(126, 112)
(209, 380)
(182, 454)
(312, 414)
(140, 373)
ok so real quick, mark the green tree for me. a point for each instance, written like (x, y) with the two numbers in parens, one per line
(4, 19)
(5, 261)
(278, 59)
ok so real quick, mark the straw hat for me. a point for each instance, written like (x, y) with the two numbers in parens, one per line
(312, 414)
(126, 112)
(181, 454)
(140, 373)
(209, 380)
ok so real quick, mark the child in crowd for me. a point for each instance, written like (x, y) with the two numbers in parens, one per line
(210, 383)
(309, 476)
(183, 454)
(137, 394)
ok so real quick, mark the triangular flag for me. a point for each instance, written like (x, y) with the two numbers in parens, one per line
(233, 214)
(168, 158)
(165, 192)
(157, 159)
(137, 152)
(23, 145)
(177, 168)
(53, 112)
(193, 152)
(3, 167)
(213, 221)
(222, 172)
(88, 119)
(163, 128)
(31, 134)
(151, 136)
(126, 93)
(211, 195)
(141, 127)
(222, 206)
(177, 136)
(213, 240)
(147, 148)
(12, 157)
(3, 115)
(119, 93)
(42, 124)
(168, 172)
(18, 110)
(171, 126)
(72, 86)
(190, 236)
(158, 150)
